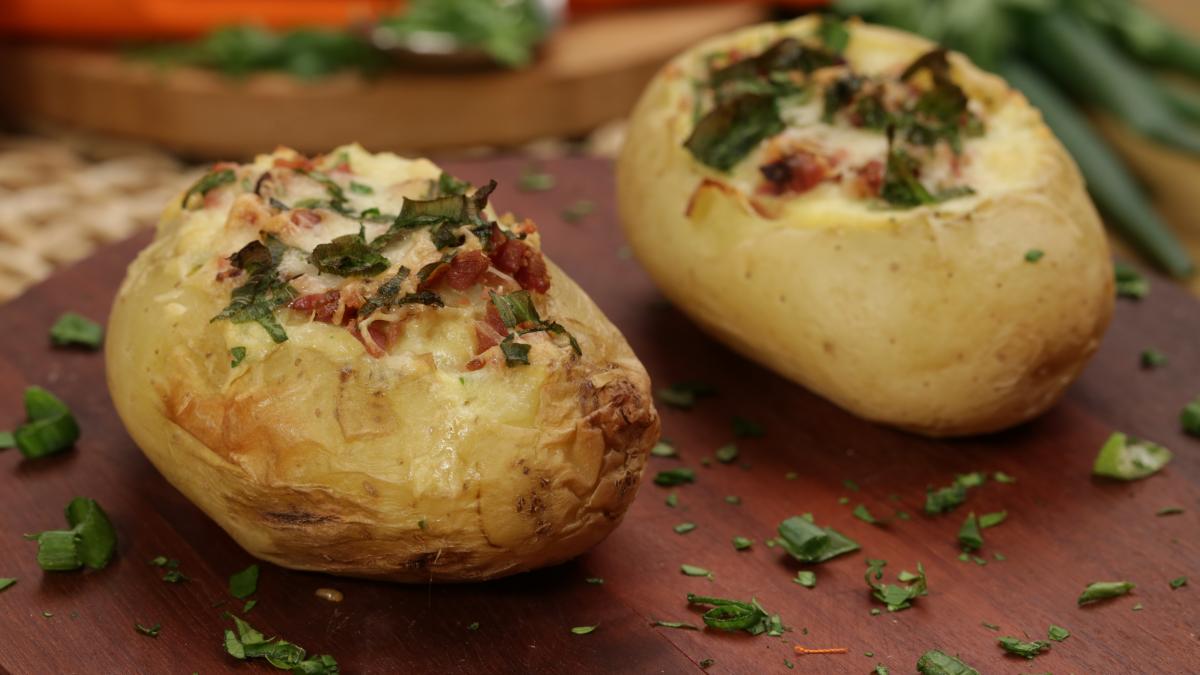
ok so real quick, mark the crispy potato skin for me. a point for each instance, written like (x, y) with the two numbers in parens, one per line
(927, 319)
(316, 456)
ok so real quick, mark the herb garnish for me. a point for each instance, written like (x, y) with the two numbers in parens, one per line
(243, 584)
(742, 543)
(533, 180)
(735, 615)
(945, 499)
(1189, 417)
(5, 583)
(677, 476)
(361, 189)
(992, 519)
(1169, 511)
(969, 536)
(1127, 458)
(448, 185)
(1033, 255)
(1177, 582)
(1001, 477)
(349, 256)
(207, 182)
(1028, 650)
(684, 394)
(583, 630)
(71, 329)
(734, 128)
(248, 643)
(49, 428)
(806, 578)
(238, 354)
(1130, 283)
(694, 571)
(1103, 590)
(151, 631)
(595, 581)
(896, 597)
(664, 449)
(263, 290)
(726, 453)
(91, 541)
(1057, 633)
(744, 428)
(934, 662)
(864, 514)
(809, 543)
(578, 210)
(1152, 358)
(520, 316)
(833, 33)
(684, 528)
(172, 575)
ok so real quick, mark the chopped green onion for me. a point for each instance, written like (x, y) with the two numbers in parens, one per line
(243, 584)
(583, 630)
(1126, 458)
(1057, 633)
(50, 427)
(1028, 650)
(1103, 590)
(72, 329)
(806, 578)
(684, 528)
(677, 476)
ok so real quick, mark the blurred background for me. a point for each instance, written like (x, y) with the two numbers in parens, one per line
(108, 107)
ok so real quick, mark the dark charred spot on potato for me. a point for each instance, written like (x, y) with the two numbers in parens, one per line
(293, 518)
(830, 348)
(344, 374)
(620, 411)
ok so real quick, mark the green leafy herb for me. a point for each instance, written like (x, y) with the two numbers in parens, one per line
(1177, 582)
(207, 182)
(578, 210)
(990, 626)
(664, 449)
(1001, 477)
(1127, 458)
(263, 290)
(1137, 608)
(833, 33)
(243, 584)
(727, 453)
(596, 581)
(248, 643)
(49, 428)
(672, 500)
(361, 189)
(1130, 283)
(895, 597)
(533, 180)
(73, 329)
(744, 428)
(732, 129)
(248, 606)
(583, 630)
(1189, 417)
(706, 663)
(992, 519)
(238, 354)
(151, 631)
(945, 499)
(349, 256)
(448, 185)
(862, 513)
(934, 662)
(1169, 511)
(677, 476)
(684, 394)
(1033, 255)
(674, 624)
(174, 577)
(6, 583)
(684, 528)
(809, 543)
(1103, 590)
(91, 541)
(843, 500)
(694, 571)
(969, 536)
(971, 480)
(733, 499)
(474, 625)
(1028, 650)
(1152, 358)
(880, 669)
(806, 578)
(1057, 633)
(735, 615)
(507, 31)
(742, 543)
(900, 184)
(519, 314)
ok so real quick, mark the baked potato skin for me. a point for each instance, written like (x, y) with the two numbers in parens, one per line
(315, 455)
(928, 319)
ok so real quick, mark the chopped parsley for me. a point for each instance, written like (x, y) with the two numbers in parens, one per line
(735, 615)
(684, 528)
(361, 189)
(862, 513)
(6, 583)
(448, 185)
(727, 453)
(1033, 255)
(672, 500)
(473, 626)
(850, 485)
(809, 543)
(806, 578)
(1129, 282)
(1028, 650)
(578, 210)
(1152, 358)
(664, 449)
(151, 631)
(733, 499)
(896, 597)
(263, 291)
(833, 33)
(91, 541)
(1177, 582)
(969, 536)
(595, 581)
(734, 128)
(238, 354)
(1189, 417)
(1169, 511)
(744, 428)
(694, 571)
(742, 543)
(248, 643)
(349, 256)
(943, 500)
(1057, 633)
(243, 584)
(674, 624)
(248, 606)
(684, 394)
(519, 315)
(533, 180)
(71, 329)
(1127, 458)
(677, 476)
(934, 662)
(1001, 477)
(50, 427)
(992, 519)
(990, 626)
(583, 630)
(1103, 590)
(208, 182)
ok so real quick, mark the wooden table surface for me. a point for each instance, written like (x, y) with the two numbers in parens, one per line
(1064, 529)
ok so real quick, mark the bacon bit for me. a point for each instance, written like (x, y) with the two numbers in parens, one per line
(323, 306)
(526, 265)
(342, 167)
(476, 363)
(298, 163)
(306, 218)
(798, 172)
(490, 331)
(466, 269)
(869, 178)
(831, 650)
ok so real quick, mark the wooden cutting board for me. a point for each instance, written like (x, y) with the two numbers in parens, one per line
(1064, 528)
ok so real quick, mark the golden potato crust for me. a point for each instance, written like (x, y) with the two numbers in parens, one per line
(427, 462)
(927, 318)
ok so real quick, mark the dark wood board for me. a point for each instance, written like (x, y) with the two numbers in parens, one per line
(1064, 530)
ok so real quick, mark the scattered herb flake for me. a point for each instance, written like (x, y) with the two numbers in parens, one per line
(91, 541)
(664, 449)
(726, 454)
(895, 597)
(674, 624)
(534, 180)
(880, 669)
(1177, 582)
(1028, 650)
(735, 615)
(1138, 607)
(50, 427)
(672, 500)
(1001, 477)
(999, 556)
(577, 210)
(1152, 358)
(583, 630)
(71, 329)
(744, 428)
(934, 662)
(862, 513)
(1169, 511)
(238, 354)
(1033, 255)
(6, 583)
(971, 480)
(742, 543)
(243, 584)
(694, 571)
(1189, 417)
(684, 528)
(248, 606)
(992, 519)
(684, 394)
(945, 499)
(843, 500)
(248, 643)
(1057, 633)
(1130, 283)
(474, 625)
(809, 543)
(1103, 590)
(990, 626)
(733, 499)
(595, 581)
(1127, 458)
(174, 577)
(677, 476)
(850, 485)
(969, 536)
(705, 663)
(806, 578)
(361, 189)
(151, 631)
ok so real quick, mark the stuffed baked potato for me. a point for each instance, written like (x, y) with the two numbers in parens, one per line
(354, 367)
(871, 216)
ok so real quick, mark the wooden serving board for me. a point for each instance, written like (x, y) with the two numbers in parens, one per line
(1064, 529)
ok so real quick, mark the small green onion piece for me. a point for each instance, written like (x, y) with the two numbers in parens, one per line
(806, 578)
(1057, 633)
(1103, 590)
(71, 329)
(1126, 458)
(583, 630)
